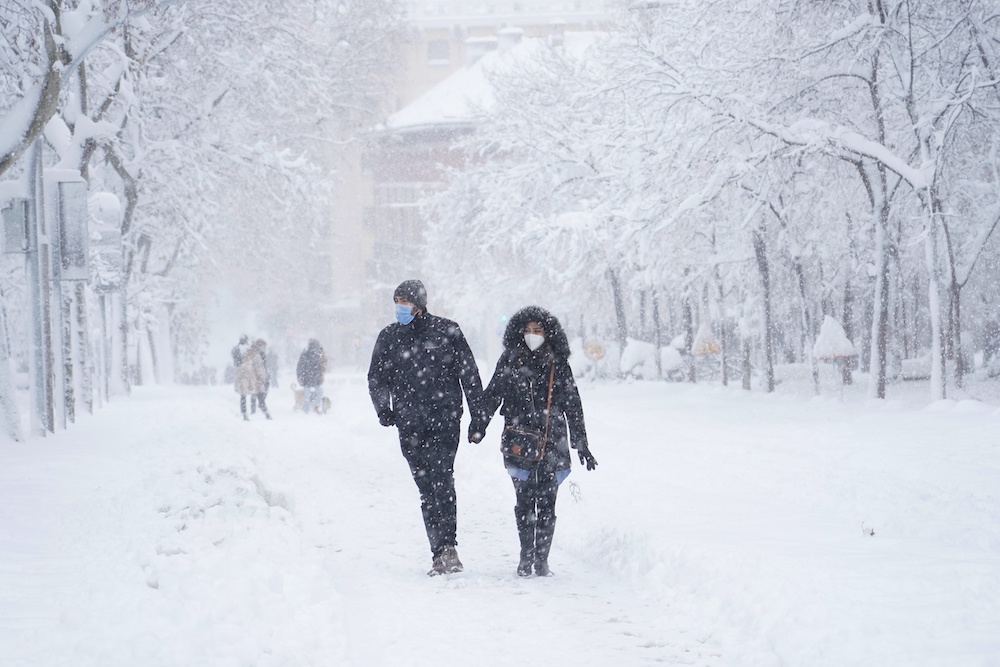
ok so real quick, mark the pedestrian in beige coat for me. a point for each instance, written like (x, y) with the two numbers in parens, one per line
(251, 379)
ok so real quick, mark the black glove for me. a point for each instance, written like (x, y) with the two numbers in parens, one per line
(386, 417)
(586, 458)
(476, 433)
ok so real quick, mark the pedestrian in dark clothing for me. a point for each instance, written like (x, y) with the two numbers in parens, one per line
(237, 354)
(533, 364)
(309, 372)
(240, 349)
(420, 367)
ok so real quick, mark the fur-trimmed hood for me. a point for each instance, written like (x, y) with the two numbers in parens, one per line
(555, 336)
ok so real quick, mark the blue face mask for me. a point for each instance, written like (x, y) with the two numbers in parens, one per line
(404, 313)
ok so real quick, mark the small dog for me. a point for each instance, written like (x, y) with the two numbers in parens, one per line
(300, 398)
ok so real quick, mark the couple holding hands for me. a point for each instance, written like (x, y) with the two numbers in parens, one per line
(420, 367)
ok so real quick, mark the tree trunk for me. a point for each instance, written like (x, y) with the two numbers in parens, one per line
(956, 333)
(880, 322)
(809, 335)
(45, 106)
(878, 194)
(123, 332)
(657, 336)
(747, 367)
(723, 338)
(85, 364)
(880, 303)
(688, 314)
(155, 370)
(765, 280)
(934, 310)
(11, 418)
(643, 330)
(845, 368)
(622, 325)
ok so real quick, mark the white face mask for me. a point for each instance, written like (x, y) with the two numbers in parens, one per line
(533, 341)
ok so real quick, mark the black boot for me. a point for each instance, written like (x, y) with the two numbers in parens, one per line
(543, 542)
(524, 564)
(445, 561)
(526, 534)
(527, 555)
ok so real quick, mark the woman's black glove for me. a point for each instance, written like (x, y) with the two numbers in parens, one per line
(586, 458)
(386, 417)
(476, 433)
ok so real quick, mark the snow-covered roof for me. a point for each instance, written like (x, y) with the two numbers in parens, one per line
(467, 95)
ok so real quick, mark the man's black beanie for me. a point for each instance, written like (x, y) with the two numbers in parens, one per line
(412, 291)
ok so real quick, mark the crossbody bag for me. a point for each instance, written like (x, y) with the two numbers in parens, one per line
(523, 442)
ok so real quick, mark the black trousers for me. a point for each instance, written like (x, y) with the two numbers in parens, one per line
(535, 512)
(259, 398)
(430, 450)
(255, 399)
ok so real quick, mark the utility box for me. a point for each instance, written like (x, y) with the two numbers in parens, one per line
(15, 227)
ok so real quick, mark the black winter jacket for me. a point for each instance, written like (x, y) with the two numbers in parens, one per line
(420, 370)
(312, 365)
(521, 382)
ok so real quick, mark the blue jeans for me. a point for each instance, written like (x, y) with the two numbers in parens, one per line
(312, 396)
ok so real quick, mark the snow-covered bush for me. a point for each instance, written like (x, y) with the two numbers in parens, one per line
(639, 360)
(592, 369)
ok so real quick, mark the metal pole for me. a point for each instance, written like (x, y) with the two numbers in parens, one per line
(36, 266)
(102, 366)
(60, 343)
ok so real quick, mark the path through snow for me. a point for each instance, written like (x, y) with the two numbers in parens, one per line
(721, 528)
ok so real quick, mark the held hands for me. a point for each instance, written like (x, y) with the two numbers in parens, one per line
(386, 417)
(476, 433)
(587, 459)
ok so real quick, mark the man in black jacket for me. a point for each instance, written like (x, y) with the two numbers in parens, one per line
(420, 366)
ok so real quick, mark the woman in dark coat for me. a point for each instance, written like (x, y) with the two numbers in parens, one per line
(536, 351)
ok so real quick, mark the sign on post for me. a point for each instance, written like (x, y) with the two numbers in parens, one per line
(74, 246)
(15, 227)
(106, 240)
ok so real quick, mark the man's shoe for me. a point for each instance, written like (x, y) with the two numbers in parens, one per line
(445, 562)
(437, 565)
(451, 562)
(524, 568)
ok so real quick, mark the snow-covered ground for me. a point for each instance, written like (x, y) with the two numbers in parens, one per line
(721, 528)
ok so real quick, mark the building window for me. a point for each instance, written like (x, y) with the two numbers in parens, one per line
(438, 52)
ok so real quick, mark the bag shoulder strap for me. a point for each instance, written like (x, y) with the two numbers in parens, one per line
(548, 402)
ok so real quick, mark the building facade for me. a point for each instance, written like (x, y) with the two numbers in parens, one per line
(379, 229)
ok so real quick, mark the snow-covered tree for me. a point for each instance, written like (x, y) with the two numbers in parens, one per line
(796, 150)
(213, 123)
